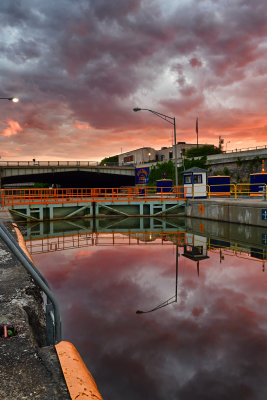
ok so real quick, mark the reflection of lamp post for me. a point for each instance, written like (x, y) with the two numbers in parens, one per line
(172, 299)
(171, 121)
(14, 99)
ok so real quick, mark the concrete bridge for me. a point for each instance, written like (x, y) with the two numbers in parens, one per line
(66, 173)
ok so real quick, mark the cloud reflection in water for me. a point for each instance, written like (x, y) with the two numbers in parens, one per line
(211, 344)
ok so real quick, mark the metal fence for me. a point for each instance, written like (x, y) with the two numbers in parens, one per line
(12, 197)
(53, 322)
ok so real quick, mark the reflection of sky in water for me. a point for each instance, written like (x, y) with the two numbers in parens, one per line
(211, 344)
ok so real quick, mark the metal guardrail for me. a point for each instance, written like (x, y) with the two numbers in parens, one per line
(238, 190)
(53, 322)
(11, 197)
(56, 164)
(245, 149)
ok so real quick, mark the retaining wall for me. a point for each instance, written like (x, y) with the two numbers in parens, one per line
(249, 212)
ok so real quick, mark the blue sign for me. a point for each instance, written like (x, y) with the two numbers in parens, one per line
(264, 214)
(141, 175)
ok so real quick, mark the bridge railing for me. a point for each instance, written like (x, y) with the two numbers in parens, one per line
(11, 197)
(35, 163)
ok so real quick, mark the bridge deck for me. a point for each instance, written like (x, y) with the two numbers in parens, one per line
(39, 204)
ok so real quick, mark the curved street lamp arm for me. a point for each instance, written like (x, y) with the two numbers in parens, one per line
(171, 300)
(160, 115)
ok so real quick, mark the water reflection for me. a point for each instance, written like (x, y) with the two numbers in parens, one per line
(209, 344)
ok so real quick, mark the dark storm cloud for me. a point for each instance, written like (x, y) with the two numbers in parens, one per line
(97, 59)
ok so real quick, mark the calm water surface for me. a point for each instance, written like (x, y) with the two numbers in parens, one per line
(205, 339)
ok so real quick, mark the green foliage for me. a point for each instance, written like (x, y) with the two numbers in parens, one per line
(40, 185)
(200, 163)
(157, 171)
(112, 159)
(225, 171)
(239, 162)
(205, 150)
(254, 163)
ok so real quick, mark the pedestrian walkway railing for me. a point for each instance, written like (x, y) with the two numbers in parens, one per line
(36, 163)
(53, 323)
(12, 197)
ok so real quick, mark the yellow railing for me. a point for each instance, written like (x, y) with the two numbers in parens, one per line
(238, 190)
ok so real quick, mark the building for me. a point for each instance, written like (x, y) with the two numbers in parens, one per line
(148, 154)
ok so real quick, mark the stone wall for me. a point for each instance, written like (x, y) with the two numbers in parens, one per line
(239, 171)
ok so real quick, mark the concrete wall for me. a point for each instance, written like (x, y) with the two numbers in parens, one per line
(240, 164)
(247, 212)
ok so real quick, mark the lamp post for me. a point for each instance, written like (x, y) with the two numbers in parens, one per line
(171, 121)
(13, 99)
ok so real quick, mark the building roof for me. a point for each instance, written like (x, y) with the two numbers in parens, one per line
(194, 169)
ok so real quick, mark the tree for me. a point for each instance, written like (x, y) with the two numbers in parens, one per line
(200, 151)
(160, 171)
(108, 160)
(166, 170)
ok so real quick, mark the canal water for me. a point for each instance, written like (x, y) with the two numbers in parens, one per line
(161, 309)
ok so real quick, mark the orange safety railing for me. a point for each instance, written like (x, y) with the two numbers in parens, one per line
(11, 197)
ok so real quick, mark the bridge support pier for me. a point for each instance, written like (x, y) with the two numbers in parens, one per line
(40, 212)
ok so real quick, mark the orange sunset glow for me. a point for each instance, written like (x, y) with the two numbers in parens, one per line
(79, 68)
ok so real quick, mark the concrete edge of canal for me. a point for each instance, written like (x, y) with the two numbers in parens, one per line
(28, 367)
(240, 211)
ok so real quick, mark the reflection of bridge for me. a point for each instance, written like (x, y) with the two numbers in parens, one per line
(66, 173)
(66, 242)
(180, 239)
(62, 235)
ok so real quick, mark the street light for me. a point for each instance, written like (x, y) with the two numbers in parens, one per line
(14, 99)
(171, 121)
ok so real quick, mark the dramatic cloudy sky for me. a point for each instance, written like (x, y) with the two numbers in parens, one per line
(79, 67)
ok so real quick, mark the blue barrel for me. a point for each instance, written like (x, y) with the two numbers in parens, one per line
(257, 182)
(164, 185)
(219, 184)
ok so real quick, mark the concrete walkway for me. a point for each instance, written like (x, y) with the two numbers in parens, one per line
(28, 368)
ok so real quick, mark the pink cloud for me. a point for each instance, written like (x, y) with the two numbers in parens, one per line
(13, 129)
